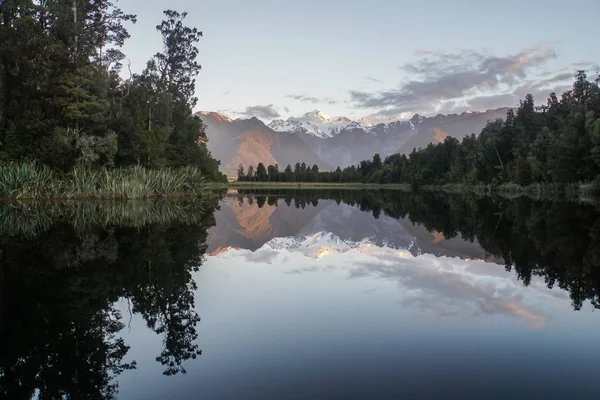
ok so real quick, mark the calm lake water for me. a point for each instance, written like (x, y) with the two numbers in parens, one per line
(301, 295)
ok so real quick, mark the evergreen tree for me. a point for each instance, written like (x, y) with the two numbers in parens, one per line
(63, 101)
(261, 173)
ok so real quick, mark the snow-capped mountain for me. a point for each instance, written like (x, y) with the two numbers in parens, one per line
(316, 138)
(321, 244)
(314, 123)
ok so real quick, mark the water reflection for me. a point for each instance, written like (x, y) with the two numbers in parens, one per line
(558, 241)
(60, 280)
(327, 291)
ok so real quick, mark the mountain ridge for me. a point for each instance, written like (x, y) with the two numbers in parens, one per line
(332, 142)
(250, 141)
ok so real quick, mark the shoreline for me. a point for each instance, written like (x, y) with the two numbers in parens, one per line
(586, 192)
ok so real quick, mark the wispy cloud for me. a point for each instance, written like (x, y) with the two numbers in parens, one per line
(311, 99)
(303, 98)
(371, 79)
(225, 93)
(261, 111)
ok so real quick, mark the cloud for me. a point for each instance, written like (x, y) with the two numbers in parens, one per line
(287, 110)
(310, 99)
(452, 288)
(590, 67)
(225, 93)
(302, 98)
(443, 81)
(371, 79)
(387, 115)
(492, 101)
(260, 111)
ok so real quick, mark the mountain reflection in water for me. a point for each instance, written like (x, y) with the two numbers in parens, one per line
(300, 294)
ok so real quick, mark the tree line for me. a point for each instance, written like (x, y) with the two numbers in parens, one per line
(557, 142)
(300, 173)
(68, 96)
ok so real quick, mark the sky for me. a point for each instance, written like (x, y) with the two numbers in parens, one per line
(375, 59)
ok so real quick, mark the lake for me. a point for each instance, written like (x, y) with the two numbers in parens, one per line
(301, 294)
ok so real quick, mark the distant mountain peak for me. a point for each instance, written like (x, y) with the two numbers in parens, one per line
(314, 123)
(215, 115)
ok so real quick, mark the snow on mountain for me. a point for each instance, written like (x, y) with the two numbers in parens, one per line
(318, 124)
(324, 243)
(315, 123)
(215, 115)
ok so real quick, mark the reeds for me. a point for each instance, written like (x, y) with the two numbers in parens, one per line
(35, 181)
(32, 218)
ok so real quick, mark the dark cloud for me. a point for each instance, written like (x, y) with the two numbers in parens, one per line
(440, 81)
(330, 101)
(266, 111)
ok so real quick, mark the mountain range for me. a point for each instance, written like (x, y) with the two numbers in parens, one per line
(329, 142)
(244, 225)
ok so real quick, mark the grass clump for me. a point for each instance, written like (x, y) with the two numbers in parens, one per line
(34, 217)
(36, 181)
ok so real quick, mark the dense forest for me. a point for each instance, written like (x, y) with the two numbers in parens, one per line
(558, 142)
(68, 97)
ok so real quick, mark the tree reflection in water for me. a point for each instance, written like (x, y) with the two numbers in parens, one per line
(60, 281)
(64, 268)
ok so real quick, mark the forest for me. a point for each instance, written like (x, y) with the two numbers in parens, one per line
(69, 99)
(554, 143)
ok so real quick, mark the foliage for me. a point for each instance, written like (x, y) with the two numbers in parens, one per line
(64, 102)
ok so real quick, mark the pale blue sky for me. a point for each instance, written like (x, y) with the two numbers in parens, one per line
(360, 58)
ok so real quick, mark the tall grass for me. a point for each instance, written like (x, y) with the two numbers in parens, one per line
(35, 181)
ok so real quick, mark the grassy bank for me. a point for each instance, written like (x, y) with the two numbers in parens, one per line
(588, 192)
(35, 181)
